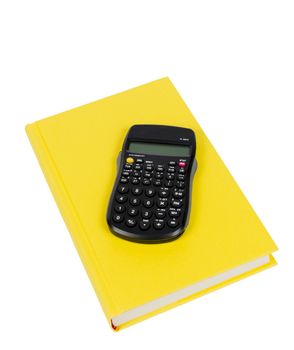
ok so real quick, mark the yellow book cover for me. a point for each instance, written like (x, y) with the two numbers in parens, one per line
(224, 241)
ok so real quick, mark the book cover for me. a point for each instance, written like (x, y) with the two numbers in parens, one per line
(224, 241)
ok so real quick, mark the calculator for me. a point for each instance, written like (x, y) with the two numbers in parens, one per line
(151, 197)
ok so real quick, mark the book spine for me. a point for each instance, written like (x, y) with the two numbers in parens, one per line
(71, 219)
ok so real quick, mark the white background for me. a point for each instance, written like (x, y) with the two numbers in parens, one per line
(232, 62)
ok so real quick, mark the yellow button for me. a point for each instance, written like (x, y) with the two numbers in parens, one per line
(130, 160)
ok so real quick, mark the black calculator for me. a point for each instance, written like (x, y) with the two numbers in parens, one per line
(151, 198)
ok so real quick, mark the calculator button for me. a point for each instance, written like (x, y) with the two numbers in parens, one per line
(117, 218)
(137, 166)
(136, 191)
(128, 166)
(173, 223)
(135, 201)
(121, 198)
(136, 173)
(139, 160)
(180, 184)
(182, 171)
(174, 213)
(146, 214)
(171, 170)
(125, 173)
(150, 192)
(160, 168)
(181, 177)
(122, 189)
(119, 208)
(177, 203)
(161, 203)
(158, 175)
(157, 183)
(178, 194)
(182, 164)
(158, 225)
(131, 222)
(123, 180)
(172, 163)
(160, 214)
(147, 175)
(149, 167)
(169, 183)
(163, 193)
(146, 182)
(148, 203)
(170, 176)
(144, 225)
(135, 181)
(130, 160)
(132, 211)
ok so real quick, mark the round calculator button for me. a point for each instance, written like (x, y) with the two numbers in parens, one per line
(149, 167)
(178, 194)
(150, 192)
(160, 168)
(117, 218)
(139, 160)
(136, 191)
(181, 177)
(130, 160)
(174, 213)
(169, 183)
(158, 175)
(170, 176)
(160, 213)
(158, 225)
(121, 198)
(182, 171)
(172, 163)
(137, 167)
(148, 203)
(131, 222)
(147, 175)
(128, 166)
(122, 189)
(173, 223)
(132, 211)
(171, 170)
(135, 181)
(182, 164)
(119, 208)
(123, 180)
(146, 214)
(163, 193)
(146, 182)
(161, 203)
(144, 225)
(125, 173)
(135, 201)
(176, 203)
(136, 173)
(180, 184)
(157, 183)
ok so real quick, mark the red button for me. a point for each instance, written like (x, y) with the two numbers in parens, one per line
(182, 164)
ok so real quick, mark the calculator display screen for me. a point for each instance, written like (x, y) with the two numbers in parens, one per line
(159, 149)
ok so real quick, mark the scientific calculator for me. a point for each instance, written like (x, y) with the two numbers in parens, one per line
(151, 198)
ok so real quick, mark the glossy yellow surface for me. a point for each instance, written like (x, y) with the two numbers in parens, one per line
(77, 151)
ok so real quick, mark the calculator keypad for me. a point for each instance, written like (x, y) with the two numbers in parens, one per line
(150, 195)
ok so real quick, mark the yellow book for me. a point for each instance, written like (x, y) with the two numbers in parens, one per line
(224, 241)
